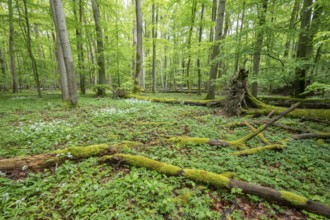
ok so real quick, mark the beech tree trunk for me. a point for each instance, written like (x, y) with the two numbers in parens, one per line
(258, 46)
(60, 58)
(193, 15)
(11, 47)
(198, 59)
(3, 70)
(303, 52)
(154, 36)
(66, 51)
(138, 81)
(100, 49)
(80, 47)
(291, 26)
(216, 49)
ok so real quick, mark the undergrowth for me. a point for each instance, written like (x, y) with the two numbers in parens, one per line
(88, 190)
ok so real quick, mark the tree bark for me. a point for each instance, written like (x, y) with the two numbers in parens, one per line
(237, 55)
(303, 53)
(66, 50)
(80, 47)
(138, 80)
(216, 49)
(3, 70)
(191, 28)
(154, 36)
(100, 49)
(60, 58)
(291, 26)
(11, 47)
(258, 46)
(199, 71)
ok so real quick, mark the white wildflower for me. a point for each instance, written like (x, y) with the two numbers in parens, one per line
(69, 155)
(6, 196)
(25, 167)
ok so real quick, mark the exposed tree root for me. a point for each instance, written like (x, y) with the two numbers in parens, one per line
(218, 180)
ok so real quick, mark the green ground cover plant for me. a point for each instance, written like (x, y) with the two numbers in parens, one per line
(90, 190)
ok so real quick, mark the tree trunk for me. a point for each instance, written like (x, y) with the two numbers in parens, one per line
(198, 59)
(304, 43)
(258, 46)
(66, 51)
(154, 36)
(29, 47)
(238, 52)
(100, 49)
(193, 14)
(80, 47)
(291, 26)
(138, 80)
(60, 58)
(11, 47)
(216, 49)
(3, 70)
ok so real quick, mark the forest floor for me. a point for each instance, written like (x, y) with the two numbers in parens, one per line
(89, 190)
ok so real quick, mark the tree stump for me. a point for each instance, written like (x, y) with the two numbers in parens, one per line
(237, 93)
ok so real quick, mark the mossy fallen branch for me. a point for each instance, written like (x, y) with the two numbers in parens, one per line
(258, 149)
(218, 180)
(173, 101)
(260, 135)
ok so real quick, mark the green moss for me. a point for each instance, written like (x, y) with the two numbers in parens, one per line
(257, 149)
(188, 140)
(149, 163)
(293, 198)
(81, 152)
(183, 198)
(207, 177)
(228, 174)
(320, 141)
(297, 113)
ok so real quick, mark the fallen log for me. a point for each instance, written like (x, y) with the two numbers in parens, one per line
(171, 101)
(218, 180)
(42, 161)
(237, 143)
(258, 149)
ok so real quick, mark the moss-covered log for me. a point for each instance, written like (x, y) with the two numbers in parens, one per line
(218, 180)
(287, 101)
(172, 101)
(260, 135)
(258, 149)
(237, 143)
(42, 161)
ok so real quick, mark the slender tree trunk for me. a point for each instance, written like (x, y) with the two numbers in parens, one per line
(60, 59)
(11, 48)
(100, 49)
(302, 50)
(80, 47)
(166, 67)
(154, 36)
(237, 55)
(66, 50)
(291, 26)
(29, 47)
(198, 59)
(138, 80)
(3, 70)
(258, 46)
(193, 14)
(216, 49)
